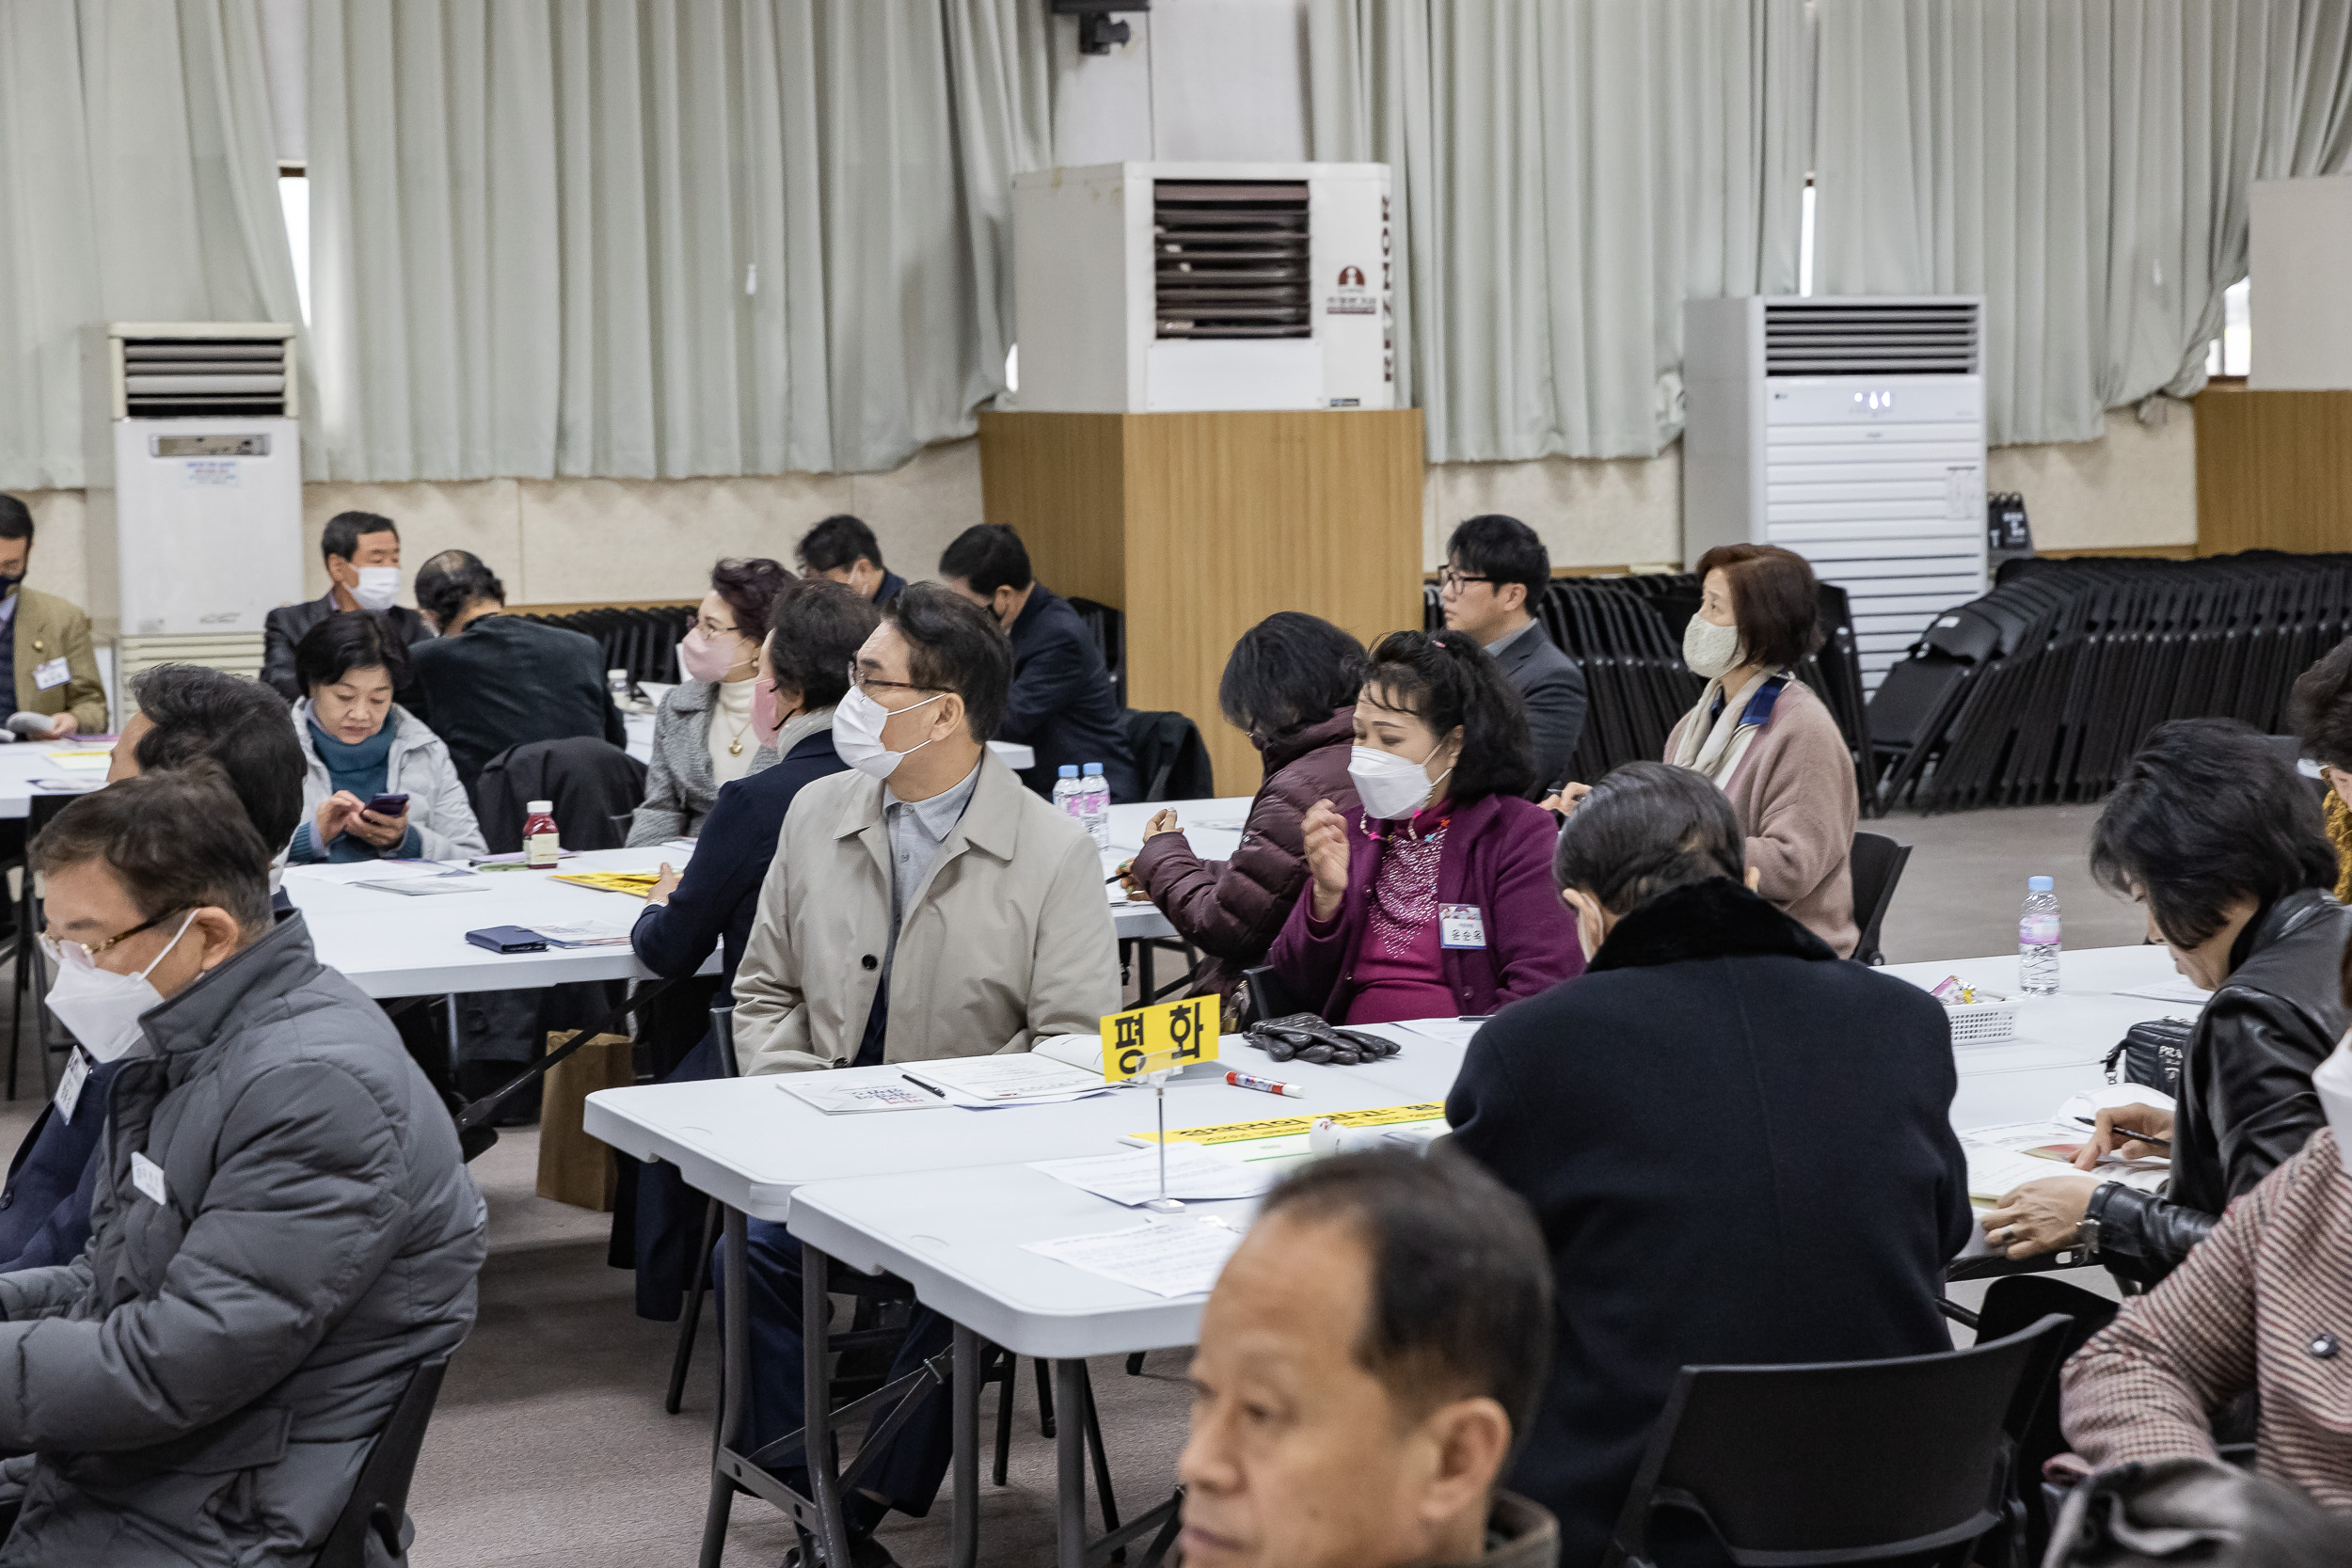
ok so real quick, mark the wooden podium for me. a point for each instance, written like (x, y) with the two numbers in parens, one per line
(1198, 526)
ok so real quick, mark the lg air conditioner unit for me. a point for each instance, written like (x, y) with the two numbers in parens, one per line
(1850, 430)
(1160, 288)
(195, 474)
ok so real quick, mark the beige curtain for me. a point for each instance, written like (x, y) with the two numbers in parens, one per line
(2084, 166)
(1567, 173)
(137, 182)
(661, 238)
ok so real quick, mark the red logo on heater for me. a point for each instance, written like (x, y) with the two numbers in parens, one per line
(1351, 277)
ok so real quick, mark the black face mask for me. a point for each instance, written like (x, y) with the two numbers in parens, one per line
(8, 583)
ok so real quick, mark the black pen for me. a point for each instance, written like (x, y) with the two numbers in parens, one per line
(2138, 1137)
(925, 1088)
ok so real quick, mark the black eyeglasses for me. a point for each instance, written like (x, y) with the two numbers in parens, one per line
(868, 685)
(1450, 580)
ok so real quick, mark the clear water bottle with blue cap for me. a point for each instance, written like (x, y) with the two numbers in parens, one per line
(1068, 791)
(2038, 938)
(1094, 804)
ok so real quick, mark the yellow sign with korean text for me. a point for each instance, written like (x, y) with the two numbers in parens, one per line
(1172, 1035)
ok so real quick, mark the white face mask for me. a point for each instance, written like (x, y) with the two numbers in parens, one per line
(857, 731)
(103, 1008)
(2333, 1080)
(1709, 649)
(1390, 785)
(378, 586)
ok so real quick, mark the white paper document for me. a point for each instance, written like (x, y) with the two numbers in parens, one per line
(1173, 1258)
(586, 933)
(445, 882)
(853, 1090)
(1448, 1031)
(367, 871)
(1131, 1176)
(1013, 1078)
(2179, 988)
(1999, 1160)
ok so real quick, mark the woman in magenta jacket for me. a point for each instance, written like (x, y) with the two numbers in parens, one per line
(1435, 897)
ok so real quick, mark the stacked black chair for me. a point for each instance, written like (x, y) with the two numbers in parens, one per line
(1108, 623)
(2042, 691)
(1627, 633)
(642, 641)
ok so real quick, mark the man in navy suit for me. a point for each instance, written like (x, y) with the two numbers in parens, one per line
(1062, 705)
(1495, 570)
(185, 712)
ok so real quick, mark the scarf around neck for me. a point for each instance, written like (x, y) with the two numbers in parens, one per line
(1715, 748)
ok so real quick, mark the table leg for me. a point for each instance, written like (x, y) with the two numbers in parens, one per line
(963, 1544)
(1144, 950)
(824, 1484)
(734, 1266)
(1070, 1466)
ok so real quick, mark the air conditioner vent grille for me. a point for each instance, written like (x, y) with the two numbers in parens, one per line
(1230, 259)
(1859, 337)
(180, 377)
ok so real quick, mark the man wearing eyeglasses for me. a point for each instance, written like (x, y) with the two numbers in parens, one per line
(1495, 571)
(283, 1230)
(922, 905)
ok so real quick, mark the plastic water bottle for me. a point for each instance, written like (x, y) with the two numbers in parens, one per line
(1068, 792)
(1094, 804)
(2038, 938)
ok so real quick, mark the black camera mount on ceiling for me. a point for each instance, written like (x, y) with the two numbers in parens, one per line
(1097, 32)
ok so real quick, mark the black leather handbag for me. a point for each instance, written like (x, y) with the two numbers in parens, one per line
(2193, 1513)
(2151, 1053)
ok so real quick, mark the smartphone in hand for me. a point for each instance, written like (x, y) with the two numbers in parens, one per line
(388, 805)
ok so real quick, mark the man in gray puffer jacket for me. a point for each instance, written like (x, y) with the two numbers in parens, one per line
(283, 1229)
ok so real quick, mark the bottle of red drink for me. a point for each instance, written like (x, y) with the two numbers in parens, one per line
(540, 845)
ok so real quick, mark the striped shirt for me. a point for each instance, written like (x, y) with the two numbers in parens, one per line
(2264, 1302)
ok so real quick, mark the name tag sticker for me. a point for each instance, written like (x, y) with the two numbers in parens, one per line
(148, 1177)
(51, 672)
(1460, 926)
(70, 1083)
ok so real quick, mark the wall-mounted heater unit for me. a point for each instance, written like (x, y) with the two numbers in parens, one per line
(1160, 287)
(1850, 430)
(195, 474)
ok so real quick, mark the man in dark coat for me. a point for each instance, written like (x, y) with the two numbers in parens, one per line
(491, 681)
(1062, 706)
(283, 1229)
(362, 554)
(1737, 1146)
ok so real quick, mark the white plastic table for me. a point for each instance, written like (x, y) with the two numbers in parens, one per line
(395, 944)
(943, 1198)
(25, 761)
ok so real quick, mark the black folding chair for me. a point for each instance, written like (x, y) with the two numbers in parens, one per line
(1877, 863)
(1842, 1462)
(378, 1504)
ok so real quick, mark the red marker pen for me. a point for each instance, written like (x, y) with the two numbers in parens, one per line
(1265, 1085)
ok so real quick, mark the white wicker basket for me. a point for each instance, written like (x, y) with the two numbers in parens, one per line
(1982, 1023)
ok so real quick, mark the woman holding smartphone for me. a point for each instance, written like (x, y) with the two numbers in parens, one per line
(380, 784)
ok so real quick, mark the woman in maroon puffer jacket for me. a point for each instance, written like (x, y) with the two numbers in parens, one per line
(1291, 686)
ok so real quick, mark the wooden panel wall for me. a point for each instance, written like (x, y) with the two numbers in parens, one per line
(1220, 520)
(2274, 470)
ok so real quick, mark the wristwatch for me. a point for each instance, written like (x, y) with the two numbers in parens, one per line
(2087, 1234)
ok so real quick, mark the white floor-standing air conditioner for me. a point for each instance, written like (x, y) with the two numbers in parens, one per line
(1160, 287)
(195, 500)
(1850, 430)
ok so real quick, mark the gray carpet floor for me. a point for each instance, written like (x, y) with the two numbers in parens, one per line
(551, 1448)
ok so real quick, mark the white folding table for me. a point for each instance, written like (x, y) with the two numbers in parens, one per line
(24, 761)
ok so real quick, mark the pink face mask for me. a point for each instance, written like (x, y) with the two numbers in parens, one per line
(707, 658)
(767, 723)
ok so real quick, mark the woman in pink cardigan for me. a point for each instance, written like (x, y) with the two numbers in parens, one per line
(1766, 740)
(1433, 898)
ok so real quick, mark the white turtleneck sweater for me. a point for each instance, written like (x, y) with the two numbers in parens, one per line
(731, 724)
